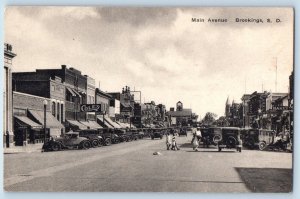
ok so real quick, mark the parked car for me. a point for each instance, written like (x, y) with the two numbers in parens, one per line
(183, 131)
(231, 138)
(210, 135)
(257, 138)
(94, 137)
(156, 133)
(70, 140)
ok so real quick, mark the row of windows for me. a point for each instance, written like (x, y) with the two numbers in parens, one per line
(57, 110)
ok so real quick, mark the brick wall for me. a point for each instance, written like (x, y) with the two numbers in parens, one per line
(24, 101)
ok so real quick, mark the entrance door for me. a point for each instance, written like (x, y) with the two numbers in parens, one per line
(19, 136)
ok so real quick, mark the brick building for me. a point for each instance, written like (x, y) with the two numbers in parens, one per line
(28, 113)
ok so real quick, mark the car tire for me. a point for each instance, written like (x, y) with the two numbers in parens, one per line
(95, 143)
(100, 143)
(262, 146)
(85, 145)
(56, 147)
(107, 142)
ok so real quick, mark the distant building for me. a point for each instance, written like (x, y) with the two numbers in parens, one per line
(182, 116)
(245, 104)
(227, 107)
(126, 104)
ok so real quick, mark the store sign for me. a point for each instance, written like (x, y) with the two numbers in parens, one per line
(280, 107)
(90, 107)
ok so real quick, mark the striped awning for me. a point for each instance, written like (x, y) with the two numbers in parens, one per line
(24, 121)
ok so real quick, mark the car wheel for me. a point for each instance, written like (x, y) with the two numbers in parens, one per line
(95, 143)
(100, 143)
(55, 147)
(107, 142)
(231, 141)
(85, 145)
(217, 138)
(262, 146)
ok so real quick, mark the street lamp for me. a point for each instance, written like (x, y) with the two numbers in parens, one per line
(45, 102)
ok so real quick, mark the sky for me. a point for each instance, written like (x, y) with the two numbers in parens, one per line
(159, 51)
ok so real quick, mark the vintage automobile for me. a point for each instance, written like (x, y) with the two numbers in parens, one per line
(183, 131)
(70, 140)
(122, 135)
(95, 139)
(257, 138)
(210, 136)
(141, 133)
(267, 140)
(231, 138)
(109, 136)
(156, 133)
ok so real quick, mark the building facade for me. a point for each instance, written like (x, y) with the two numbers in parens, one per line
(7, 96)
(29, 119)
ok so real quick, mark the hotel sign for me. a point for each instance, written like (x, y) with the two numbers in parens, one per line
(90, 108)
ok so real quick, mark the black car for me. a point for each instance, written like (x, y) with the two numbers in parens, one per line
(183, 131)
(94, 137)
(70, 140)
(231, 138)
(156, 133)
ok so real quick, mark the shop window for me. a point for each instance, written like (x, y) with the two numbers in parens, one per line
(53, 109)
(62, 112)
(52, 87)
(58, 111)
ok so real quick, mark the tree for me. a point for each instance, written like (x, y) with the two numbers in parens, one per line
(209, 118)
(222, 121)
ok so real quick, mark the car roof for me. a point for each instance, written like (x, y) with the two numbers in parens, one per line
(72, 133)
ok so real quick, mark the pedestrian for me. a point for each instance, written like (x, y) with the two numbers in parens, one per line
(195, 142)
(174, 144)
(168, 140)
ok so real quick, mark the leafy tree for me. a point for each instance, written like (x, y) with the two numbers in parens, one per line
(209, 118)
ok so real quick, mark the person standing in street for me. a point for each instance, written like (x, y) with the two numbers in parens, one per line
(174, 144)
(168, 140)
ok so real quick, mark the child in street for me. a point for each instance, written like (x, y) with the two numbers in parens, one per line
(168, 140)
(174, 144)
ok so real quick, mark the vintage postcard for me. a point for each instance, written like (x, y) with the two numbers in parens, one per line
(148, 99)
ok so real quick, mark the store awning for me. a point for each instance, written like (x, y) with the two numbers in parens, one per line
(105, 124)
(51, 121)
(114, 124)
(79, 125)
(91, 124)
(24, 121)
(77, 93)
(126, 125)
(70, 91)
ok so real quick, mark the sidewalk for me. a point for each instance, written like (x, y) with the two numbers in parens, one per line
(29, 148)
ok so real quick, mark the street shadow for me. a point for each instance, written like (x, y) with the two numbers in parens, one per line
(267, 180)
(213, 151)
(189, 145)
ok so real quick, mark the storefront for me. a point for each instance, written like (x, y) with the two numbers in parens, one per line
(27, 131)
